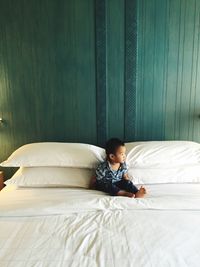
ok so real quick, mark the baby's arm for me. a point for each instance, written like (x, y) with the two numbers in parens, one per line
(125, 172)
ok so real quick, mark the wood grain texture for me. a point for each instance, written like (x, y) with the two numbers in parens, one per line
(168, 70)
(85, 71)
(115, 67)
(130, 70)
(47, 74)
(101, 71)
(47, 70)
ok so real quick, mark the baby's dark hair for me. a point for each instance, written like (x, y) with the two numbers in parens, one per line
(112, 145)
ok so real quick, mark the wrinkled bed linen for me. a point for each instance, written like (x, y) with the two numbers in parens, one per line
(77, 227)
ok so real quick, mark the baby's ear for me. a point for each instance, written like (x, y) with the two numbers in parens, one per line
(111, 156)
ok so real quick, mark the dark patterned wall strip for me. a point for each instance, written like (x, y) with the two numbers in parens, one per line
(100, 28)
(130, 68)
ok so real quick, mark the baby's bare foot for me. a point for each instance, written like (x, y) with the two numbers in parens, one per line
(141, 192)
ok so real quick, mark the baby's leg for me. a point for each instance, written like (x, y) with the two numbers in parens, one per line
(113, 190)
(125, 194)
(109, 188)
(128, 186)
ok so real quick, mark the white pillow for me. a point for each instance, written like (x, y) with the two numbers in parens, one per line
(162, 153)
(181, 174)
(56, 154)
(51, 177)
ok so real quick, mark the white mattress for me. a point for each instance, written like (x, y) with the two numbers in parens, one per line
(78, 227)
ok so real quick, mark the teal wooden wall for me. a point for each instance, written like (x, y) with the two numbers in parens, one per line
(47, 72)
(168, 70)
(87, 70)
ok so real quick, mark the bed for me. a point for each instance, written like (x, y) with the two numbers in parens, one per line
(75, 226)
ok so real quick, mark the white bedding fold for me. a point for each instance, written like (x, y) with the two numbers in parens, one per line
(51, 201)
(92, 229)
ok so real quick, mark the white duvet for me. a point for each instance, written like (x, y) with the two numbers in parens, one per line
(77, 227)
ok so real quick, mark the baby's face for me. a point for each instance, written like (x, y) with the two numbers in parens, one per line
(120, 155)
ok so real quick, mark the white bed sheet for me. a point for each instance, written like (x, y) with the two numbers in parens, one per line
(78, 227)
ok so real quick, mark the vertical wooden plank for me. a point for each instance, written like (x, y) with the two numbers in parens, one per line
(173, 54)
(101, 71)
(195, 54)
(152, 21)
(160, 23)
(166, 63)
(140, 70)
(181, 42)
(84, 91)
(130, 69)
(115, 68)
(149, 35)
(196, 103)
(187, 70)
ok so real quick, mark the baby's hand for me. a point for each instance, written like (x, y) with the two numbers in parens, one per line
(126, 176)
